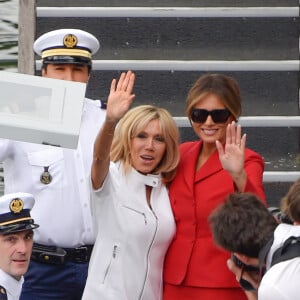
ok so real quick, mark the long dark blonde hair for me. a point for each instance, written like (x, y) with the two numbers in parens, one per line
(225, 87)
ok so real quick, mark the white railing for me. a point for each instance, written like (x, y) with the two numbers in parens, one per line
(168, 12)
(281, 176)
(254, 121)
(194, 65)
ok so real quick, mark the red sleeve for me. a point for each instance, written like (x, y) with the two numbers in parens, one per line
(254, 167)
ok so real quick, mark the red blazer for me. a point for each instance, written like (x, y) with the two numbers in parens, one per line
(192, 258)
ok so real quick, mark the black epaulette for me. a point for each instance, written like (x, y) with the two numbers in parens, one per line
(3, 294)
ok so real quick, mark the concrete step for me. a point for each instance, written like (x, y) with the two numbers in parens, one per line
(188, 38)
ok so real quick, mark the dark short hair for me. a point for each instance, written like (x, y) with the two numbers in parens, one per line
(242, 224)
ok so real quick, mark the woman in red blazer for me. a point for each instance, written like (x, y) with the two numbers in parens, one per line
(210, 169)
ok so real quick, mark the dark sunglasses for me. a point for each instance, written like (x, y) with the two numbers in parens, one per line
(218, 115)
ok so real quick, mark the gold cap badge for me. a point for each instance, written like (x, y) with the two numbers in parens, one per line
(70, 40)
(16, 205)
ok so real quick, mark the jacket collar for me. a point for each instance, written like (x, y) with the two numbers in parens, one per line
(11, 285)
(210, 167)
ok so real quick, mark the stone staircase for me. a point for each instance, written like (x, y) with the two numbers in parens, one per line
(169, 44)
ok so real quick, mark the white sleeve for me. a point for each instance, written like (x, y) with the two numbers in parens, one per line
(100, 196)
(269, 291)
(5, 149)
(281, 282)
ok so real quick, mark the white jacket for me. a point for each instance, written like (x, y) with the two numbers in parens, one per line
(132, 238)
(281, 281)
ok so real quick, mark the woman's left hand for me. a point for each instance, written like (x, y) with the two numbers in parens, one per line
(232, 155)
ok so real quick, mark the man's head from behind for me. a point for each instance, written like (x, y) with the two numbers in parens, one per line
(16, 233)
(242, 224)
(67, 54)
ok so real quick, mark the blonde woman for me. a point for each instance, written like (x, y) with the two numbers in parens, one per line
(135, 157)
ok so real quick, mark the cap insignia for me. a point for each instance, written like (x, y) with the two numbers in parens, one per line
(70, 40)
(16, 205)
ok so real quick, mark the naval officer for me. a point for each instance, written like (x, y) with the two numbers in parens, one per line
(16, 240)
(59, 178)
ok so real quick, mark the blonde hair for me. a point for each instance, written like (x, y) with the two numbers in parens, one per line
(134, 121)
(225, 87)
(290, 203)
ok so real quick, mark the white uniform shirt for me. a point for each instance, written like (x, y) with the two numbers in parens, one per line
(132, 238)
(281, 282)
(13, 287)
(62, 208)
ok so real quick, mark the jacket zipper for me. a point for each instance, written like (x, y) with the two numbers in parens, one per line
(114, 254)
(148, 253)
(139, 212)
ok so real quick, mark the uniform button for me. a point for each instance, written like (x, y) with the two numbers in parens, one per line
(89, 230)
(85, 205)
(81, 180)
(154, 183)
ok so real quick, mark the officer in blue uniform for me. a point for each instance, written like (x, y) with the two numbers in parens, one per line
(16, 240)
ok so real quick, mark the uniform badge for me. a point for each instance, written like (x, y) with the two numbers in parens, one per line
(70, 40)
(3, 294)
(46, 177)
(16, 205)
